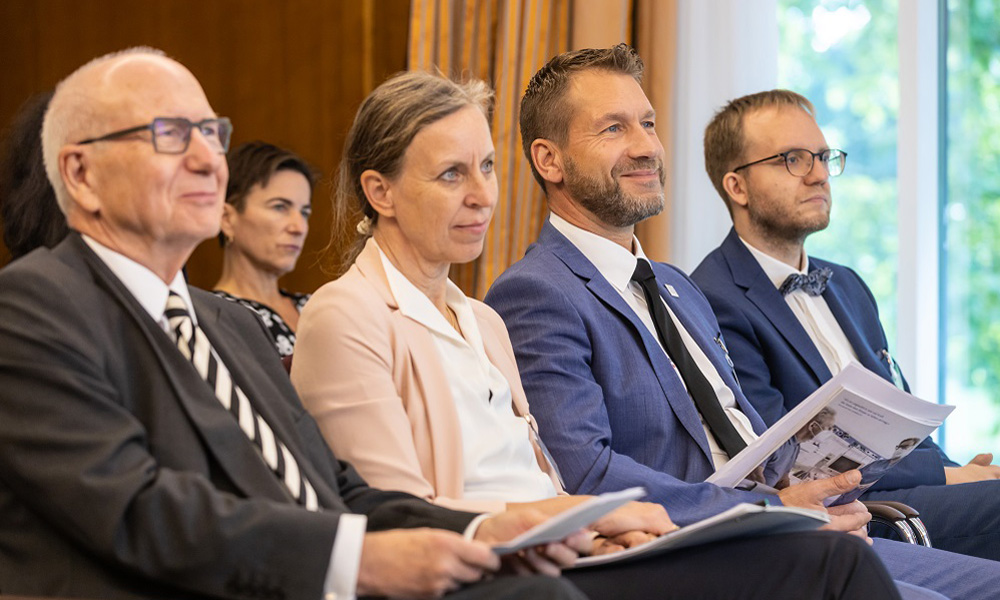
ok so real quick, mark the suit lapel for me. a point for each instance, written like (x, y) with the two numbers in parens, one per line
(704, 333)
(216, 427)
(836, 299)
(760, 291)
(445, 431)
(671, 384)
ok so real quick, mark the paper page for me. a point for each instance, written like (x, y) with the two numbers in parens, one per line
(742, 520)
(889, 409)
(570, 521)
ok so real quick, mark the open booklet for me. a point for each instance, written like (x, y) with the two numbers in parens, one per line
(742, 520)
(856, 420)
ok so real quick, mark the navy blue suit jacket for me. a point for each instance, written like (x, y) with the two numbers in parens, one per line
(778, 364)
(610, 406)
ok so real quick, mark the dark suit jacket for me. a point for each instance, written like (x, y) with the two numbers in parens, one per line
(121, 476)
(610, 406)
(777, 363)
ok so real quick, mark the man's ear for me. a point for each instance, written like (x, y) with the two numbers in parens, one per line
(79, 179)
(378, 190)
(548, 160)
(736, 187)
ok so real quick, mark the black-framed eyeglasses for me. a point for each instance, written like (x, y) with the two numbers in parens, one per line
(799, 161)
(172, 135)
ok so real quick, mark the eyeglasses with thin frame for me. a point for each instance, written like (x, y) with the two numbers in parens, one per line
(799, 161)
(172, 135)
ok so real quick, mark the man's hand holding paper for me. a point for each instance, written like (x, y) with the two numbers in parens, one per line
(850, 518)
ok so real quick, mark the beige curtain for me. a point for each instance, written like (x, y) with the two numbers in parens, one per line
(505, 42)
(656, 41)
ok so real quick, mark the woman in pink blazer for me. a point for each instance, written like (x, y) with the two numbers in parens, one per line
(411, 381)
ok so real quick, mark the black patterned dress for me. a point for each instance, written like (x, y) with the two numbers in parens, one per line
(283, 336)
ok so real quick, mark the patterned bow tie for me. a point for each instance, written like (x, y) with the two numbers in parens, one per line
(813, 284)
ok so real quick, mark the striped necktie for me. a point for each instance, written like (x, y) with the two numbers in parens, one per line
(194, 345)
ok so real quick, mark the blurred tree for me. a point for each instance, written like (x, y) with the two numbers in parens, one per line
(842, 55)
(972, 210)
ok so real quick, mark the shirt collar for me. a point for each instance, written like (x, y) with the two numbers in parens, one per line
(415, 304)
(775, 270)
(614, 263)
(147, 288)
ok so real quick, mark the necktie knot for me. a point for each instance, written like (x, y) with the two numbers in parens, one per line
(814, 283)
(643, 272)
(178, 317)
(175, 304)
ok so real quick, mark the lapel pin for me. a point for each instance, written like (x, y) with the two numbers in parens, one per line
(671, 289)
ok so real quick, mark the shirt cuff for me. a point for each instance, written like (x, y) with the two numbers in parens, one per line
(473, 527)
(345, 558)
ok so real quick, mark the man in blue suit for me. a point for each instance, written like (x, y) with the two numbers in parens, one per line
(771, 164)
(613, 385)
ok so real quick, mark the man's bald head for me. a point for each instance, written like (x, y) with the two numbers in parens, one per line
(88, 102)
(112, 180)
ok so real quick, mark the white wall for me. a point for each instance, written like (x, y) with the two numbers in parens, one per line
(726, 49)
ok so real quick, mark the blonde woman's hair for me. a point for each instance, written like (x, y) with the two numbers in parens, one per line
(384, 127)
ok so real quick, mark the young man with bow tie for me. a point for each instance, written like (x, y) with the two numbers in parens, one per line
(792, 321)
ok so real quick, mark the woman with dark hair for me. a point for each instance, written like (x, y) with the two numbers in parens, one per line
(31, 216)
(264, 227)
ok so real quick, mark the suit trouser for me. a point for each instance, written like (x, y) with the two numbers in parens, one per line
(535, 587)
(956, 576)
(802, 566)
(961, 518)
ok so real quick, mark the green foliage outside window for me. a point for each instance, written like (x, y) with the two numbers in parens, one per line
(972, 215)
(842, 55)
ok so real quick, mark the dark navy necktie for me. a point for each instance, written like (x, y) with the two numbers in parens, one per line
(699, 388)
(814, 283)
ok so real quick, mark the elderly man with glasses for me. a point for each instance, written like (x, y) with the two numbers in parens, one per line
(152, 444)
(792, 321)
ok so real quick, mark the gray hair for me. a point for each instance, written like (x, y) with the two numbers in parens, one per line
(73, 115)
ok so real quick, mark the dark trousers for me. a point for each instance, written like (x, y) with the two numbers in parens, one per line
(803, 566)
(535, 587)
(960, 518)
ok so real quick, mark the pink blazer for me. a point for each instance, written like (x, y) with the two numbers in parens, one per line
(373, 380)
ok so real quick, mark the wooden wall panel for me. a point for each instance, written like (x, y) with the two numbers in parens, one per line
(291, 72)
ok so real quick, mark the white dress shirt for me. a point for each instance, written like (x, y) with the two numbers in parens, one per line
(151, 292)
(812, 312)
(498, 458)
(616, 265)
